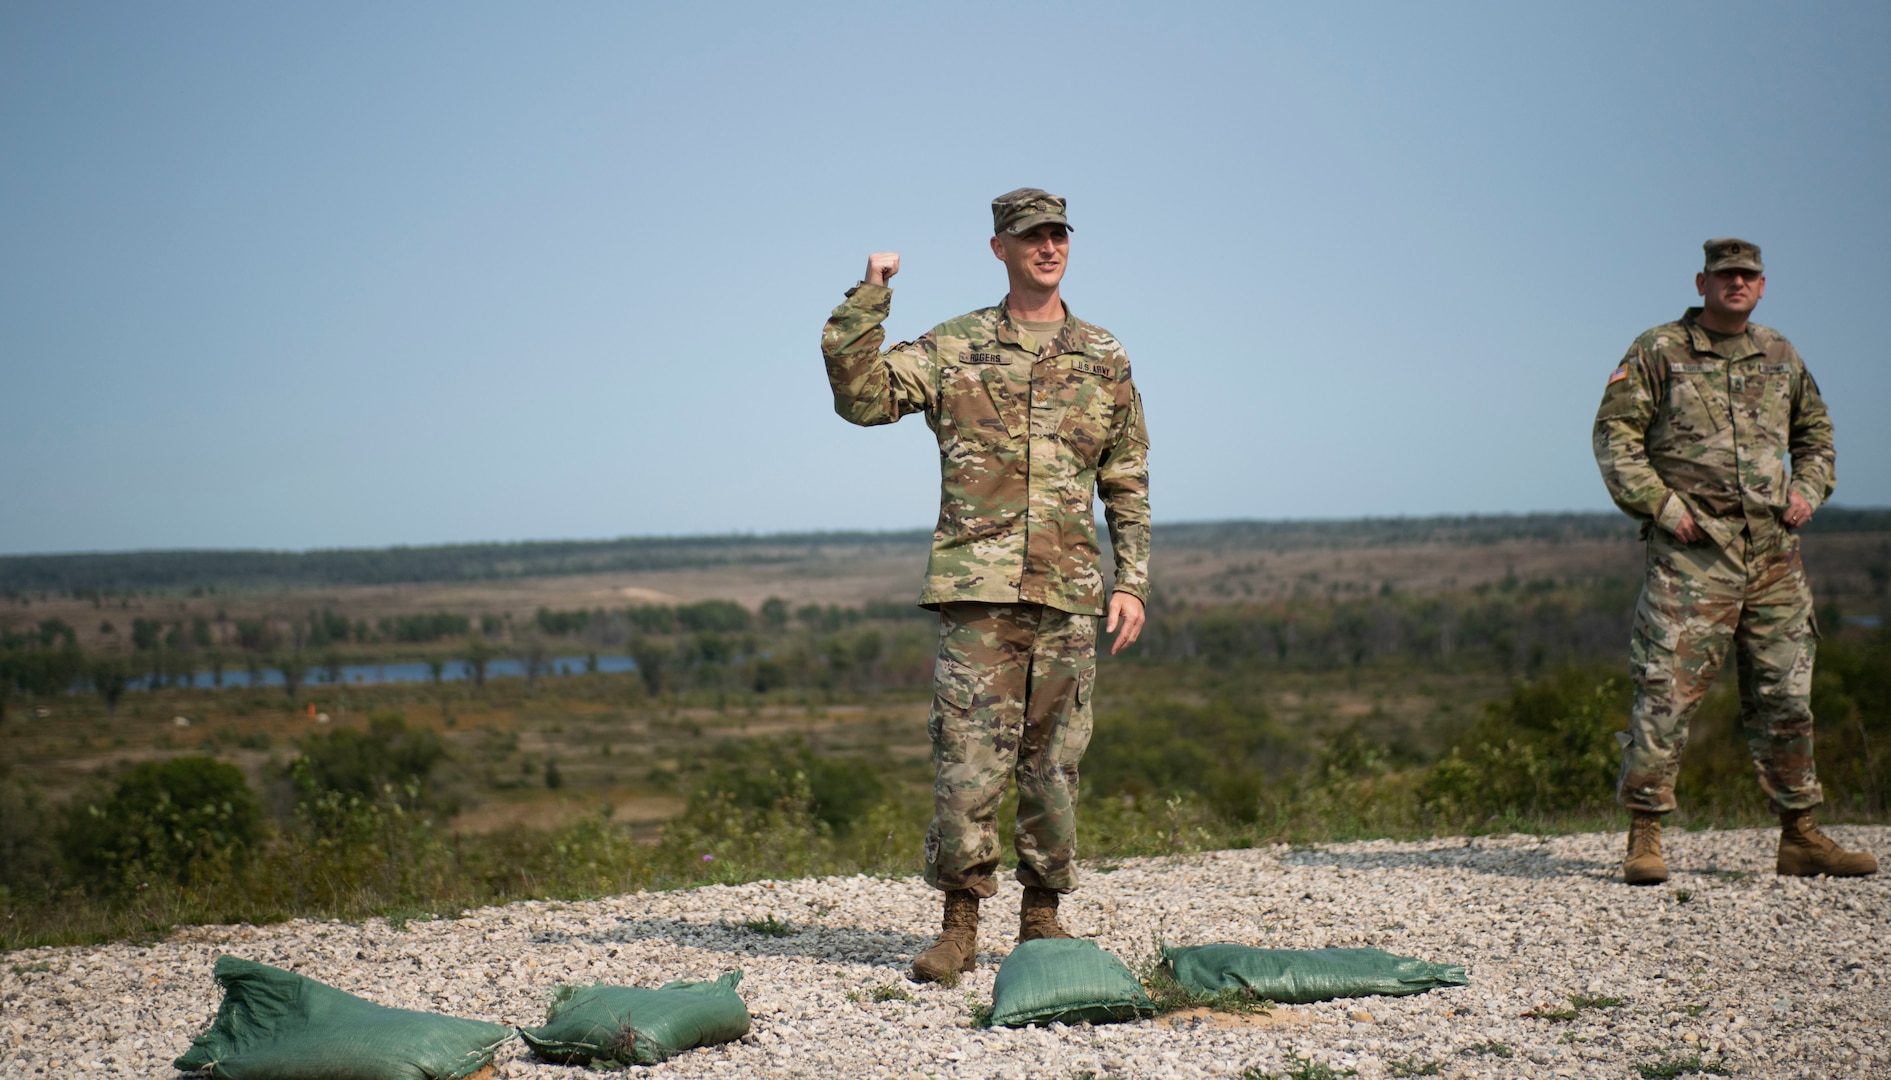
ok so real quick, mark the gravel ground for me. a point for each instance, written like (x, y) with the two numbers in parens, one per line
(1757, 975)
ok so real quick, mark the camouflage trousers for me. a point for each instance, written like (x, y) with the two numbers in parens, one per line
(1011, 694)
(1698, 602)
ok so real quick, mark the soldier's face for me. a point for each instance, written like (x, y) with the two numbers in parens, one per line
(1733, 292)
(1038, 257)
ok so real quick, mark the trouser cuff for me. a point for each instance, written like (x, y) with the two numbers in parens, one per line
(1064, 883)
(983, 886)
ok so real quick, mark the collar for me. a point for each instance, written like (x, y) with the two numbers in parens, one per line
(1735, 348)
(1068, 339)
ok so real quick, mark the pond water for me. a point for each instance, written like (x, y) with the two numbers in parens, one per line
(411, 672)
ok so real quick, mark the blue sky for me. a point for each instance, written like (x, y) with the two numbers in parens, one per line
(352, 275)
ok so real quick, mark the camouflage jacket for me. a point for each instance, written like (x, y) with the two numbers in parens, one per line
(1029, 432)
(1712, 429)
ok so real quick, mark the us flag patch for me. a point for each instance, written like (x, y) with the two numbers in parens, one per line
(1617, 375)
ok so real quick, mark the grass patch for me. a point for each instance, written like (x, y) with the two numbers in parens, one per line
(771, 927)
(1667, 1068)
(1411, 1066)
(1489, 1049)
(1171, 996)
(1577, 1003)
(39, 968)
(982, 1012)
(1299, 1068)
(889, 992)
(399, 917)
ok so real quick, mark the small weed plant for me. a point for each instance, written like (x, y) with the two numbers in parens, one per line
(1667, 1068)
(772, 927)
(1577, 1003)
(1171, 996)
(1299, 1068)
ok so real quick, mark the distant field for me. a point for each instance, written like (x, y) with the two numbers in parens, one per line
(1848, 552)
(1323, 680)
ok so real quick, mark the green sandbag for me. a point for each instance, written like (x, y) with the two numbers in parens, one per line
(1065, 979)
(277, 1025)
(1297, 976)
(638, 1026)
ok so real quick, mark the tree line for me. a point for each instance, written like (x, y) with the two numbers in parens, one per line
(101, 575)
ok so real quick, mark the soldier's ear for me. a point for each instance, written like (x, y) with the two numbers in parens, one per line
(1700, 283)
(998, 247)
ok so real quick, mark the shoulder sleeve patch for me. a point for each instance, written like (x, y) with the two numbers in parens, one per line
(1616, 376)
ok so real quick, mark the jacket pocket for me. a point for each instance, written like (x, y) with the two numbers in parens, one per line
(1008, 403)
(1693, 405)
(968, 409)
(1086, 423)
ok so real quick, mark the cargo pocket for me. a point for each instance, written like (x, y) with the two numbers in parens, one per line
(1072, 736)
(954, 689)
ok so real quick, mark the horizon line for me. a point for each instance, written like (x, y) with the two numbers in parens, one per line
(835, 534)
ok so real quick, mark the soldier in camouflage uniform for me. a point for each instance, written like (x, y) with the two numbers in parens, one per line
(1035, 416)
(1712, 432)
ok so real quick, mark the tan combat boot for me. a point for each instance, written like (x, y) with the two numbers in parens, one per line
(1643, 865)
(958, 941)
(1804, 851)
(1037, 916)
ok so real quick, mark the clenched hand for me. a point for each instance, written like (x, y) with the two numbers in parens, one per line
(882, 265)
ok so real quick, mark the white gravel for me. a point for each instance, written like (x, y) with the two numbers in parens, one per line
(1760, 976)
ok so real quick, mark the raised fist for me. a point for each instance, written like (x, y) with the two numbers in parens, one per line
(882, 265)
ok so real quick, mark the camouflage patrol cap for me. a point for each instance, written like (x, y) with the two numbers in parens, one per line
(1730, 254)
(1016, 212)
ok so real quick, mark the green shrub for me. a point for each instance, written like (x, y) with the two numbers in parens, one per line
(181, 820)
(1548, 749)
(1225, 751)
(29, 858)
(388, 760)
(765, 774)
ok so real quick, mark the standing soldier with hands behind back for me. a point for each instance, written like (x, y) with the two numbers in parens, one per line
(1697, 429)
(1035, 416)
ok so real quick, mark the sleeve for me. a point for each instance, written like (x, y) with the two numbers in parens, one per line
(1628, 406)
(873, 387)
(1809, 441)
(1123, 483)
